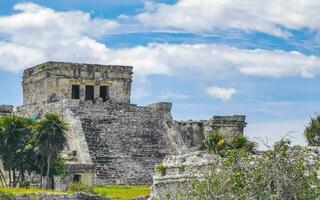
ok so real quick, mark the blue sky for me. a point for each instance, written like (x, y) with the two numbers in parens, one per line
(210, 57)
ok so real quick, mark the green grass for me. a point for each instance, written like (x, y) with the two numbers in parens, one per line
(115, 192)
(119, 192)
(28, 191)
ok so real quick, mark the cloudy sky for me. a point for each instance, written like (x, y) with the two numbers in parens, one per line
(208, 57)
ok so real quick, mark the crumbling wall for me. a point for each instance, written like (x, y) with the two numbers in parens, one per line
(180, 171)
(193, 132)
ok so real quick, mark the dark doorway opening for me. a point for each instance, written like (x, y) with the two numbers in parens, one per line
(104, 92)
(76, 178)
(75, 92)
(89, 93)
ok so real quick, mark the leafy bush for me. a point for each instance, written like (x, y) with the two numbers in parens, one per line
(7, 196)
(312, 132)
(279, 173)
(161, 169)
(218, 144)
(214, 142)
(79, 187)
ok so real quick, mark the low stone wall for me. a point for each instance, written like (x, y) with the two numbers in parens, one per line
(76, 196)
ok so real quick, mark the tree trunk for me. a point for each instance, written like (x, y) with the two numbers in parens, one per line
(22, 182)
(10, 180)
(52, 182)
(4, 178)
(48, 172)
(41, 177)
(14, 178)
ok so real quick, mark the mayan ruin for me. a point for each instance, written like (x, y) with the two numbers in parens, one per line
(159, 100)
(109, 139)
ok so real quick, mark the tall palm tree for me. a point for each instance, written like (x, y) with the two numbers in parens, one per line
(14, 135)
(51, 140)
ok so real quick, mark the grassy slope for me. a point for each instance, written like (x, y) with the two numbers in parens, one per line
(115, 192)
(118, 192)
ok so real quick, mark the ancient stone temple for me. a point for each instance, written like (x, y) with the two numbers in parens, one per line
(111, 140)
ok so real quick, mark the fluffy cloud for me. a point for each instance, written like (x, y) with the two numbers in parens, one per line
(36, 34)
(221, 93)
(174, 59)
(273, 17)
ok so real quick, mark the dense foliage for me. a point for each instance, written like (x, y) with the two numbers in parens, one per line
(30, 146)
(280, 173)
(312, 132)
(219, 144)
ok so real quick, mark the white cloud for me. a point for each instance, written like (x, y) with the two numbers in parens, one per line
(176, 59)
(271, 16)
(221, 93)
(170, 96)
(36, 34)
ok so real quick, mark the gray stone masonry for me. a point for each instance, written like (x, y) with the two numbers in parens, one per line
(124, 141)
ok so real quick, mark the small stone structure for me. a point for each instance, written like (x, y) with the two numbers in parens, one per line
(6, 110)
(193, 132)
(111, 140)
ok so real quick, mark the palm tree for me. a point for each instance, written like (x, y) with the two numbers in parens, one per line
(14, 135)
(51, 139)
(312, 131)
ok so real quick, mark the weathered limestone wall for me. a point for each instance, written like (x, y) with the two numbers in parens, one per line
(193, 132)
(52, 81)
(180, 171)
(126, 141)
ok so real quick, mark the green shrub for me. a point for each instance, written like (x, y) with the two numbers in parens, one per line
(242, 142)
(79, 187)
(182, 168)
(312, 132)
(161, 169)
(214, 142)
(219, 144)
(7, 196)
(279, 173)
